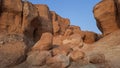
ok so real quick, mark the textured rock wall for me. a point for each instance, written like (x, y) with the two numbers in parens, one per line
(10, 15)
(107, 16)
(59, 24)
(32, 36)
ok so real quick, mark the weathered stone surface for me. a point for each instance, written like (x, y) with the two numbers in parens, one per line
(43, 11)
(12, 6)
(62, 23)
(31, 22)
(37, 58)
(109, 47)
(68, 32)
(90, 37)
(53, 42)
(76, 55)
(10, 15)
(59, 59)
(75, 29)
(75, 42)
(45, 16)
(96, 58)
(56, 27)
(45, 43)
(12, 50)
(64, 50)
(106, 16)
(57, 40)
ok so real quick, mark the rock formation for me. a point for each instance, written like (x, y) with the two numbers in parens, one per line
(107, 20)
(32, 36)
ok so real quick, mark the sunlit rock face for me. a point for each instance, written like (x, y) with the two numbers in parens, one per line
(106, 16)
(32, 36)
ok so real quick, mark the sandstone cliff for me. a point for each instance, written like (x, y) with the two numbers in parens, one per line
(33, 36)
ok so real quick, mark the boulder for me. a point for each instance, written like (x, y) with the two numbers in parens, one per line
(45, 43)
(77, 55)
(106, 16)
(64, 50)
(106, 49)
(96, 58)
(62, 60)
(90, 37)
(38, 58)
(12, 50)
(78, 65)
(74, 41)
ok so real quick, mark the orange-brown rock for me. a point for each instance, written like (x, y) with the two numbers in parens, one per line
(57, 40)
(11, 6)
(96, 58)
(106, 16)
(64, 50)
(74, 41)
(56, 27)
(32, 36)
(108, 46)
(77, 55)
(12, 50)
(37, 58)
(75, 29)
(63, 23)
(45, 43)
(44, 13)
(11, 12)
(90, 37)
(59, 59)
(68, 32)
(31, 22)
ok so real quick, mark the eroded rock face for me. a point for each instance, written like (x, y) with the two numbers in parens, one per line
(37, 58)
(45, 16)
(10, 15)
(12, 50)
(22, 26)
(31, 22)
(32, 36)
(60, 23)
(77, 55)
(90, 37)
(43, 11)
(106, 16)
(59, 59)
(45, 43)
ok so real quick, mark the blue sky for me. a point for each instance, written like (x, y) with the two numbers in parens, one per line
(80, 12)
